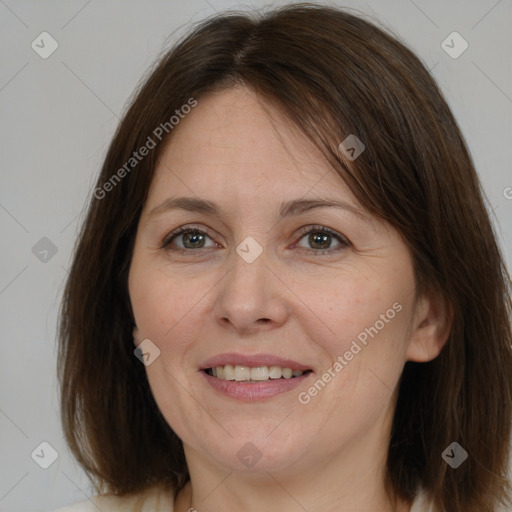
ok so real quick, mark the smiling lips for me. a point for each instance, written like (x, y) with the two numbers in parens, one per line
(255, 377)
(258, 367)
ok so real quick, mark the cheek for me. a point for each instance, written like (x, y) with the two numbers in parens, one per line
(164, 312)
(363, 332)
(162, 303)
(347, 307)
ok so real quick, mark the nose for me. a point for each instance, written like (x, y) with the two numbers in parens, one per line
(251, 297)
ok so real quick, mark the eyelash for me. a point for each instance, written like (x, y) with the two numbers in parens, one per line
(344, 243)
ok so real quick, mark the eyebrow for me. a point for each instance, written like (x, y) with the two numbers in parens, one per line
(290, 208)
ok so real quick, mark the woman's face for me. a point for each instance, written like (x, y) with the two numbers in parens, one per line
(250, 287)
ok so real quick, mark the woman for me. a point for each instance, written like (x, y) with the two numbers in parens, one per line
(287, 293)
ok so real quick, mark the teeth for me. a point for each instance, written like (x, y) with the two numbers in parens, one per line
(229, 372)
(275, 372)
(241, 373)
(259, 373)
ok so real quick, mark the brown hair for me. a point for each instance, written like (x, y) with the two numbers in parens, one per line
(334, 74)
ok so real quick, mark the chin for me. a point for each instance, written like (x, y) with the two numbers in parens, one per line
(260, 454)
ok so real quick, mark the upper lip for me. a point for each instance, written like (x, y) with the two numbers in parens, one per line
(252, 361)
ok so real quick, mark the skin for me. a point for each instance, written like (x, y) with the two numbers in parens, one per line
(329, 454)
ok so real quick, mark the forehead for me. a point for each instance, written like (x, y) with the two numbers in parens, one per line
(235, 142)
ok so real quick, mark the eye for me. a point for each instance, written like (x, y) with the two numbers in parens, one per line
(191, 238)
(320, 238)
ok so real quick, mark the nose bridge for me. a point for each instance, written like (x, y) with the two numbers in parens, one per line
(247, 279)
(249, 292)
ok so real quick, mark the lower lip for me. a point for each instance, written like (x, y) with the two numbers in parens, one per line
(252, 391)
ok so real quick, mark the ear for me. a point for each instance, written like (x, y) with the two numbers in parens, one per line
(431, 327)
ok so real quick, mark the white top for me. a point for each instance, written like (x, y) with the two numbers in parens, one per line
(159, 500)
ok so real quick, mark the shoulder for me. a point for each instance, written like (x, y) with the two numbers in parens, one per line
(155, 499)
(422, 503)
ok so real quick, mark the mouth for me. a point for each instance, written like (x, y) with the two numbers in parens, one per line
(255, 374)
(253, 377)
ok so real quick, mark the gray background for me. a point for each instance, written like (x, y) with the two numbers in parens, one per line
(57, 117)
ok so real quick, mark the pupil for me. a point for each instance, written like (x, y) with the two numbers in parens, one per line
(320, 237)
(188, 237)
